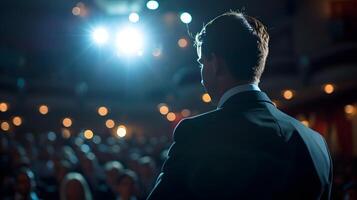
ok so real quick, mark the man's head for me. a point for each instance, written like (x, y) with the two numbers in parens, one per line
(232, 49)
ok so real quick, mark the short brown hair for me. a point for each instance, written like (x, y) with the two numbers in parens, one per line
(240, 39)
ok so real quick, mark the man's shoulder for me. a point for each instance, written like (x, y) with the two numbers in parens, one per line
(195, 123)
(201, 118)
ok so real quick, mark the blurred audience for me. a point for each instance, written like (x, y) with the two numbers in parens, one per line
(77, 168)
(35, 166)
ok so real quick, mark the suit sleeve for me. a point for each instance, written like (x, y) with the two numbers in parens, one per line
(171, 181)
(328, 189)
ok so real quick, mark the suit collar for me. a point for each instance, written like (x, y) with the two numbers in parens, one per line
(246, 98)
(235, 90)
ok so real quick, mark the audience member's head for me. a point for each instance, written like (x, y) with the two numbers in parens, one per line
(350, 191)
(74, 187)
(4, 144)
(61, 169)
(126, 185)
(69, 155)
(146, 167)
(113, 169)
(25, 183)
(19, 157)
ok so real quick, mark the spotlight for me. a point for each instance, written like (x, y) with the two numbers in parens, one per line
(100, 35)
(152, 5)
(186, 17)
(129, 41)
(134, 17)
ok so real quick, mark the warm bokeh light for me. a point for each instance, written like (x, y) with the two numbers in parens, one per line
(329, 88)
(17, 121)
(152, 5)
(350, 109)
(171, 116)
(206, 98)
(110, 123)
(43, 109)
(5, 126)
(3, 107)
(66, 133)
(103, 111)
(76, 10)
(182, 43)
(80, 10)
(67, 122)
(185, 112)
(134, 17)
(121, 131)
(164, 109)
(288, 94)
(186, 17)
(305, 122)
(88, 134)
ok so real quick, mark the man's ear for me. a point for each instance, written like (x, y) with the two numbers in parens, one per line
(218, 64)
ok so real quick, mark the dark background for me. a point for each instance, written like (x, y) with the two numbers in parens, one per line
(47, 57)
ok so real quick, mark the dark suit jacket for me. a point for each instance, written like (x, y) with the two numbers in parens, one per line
(248, 149)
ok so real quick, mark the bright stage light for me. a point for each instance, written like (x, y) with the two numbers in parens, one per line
(129, 41)
(100, 35)
(152, 5)
(134, 17)
(186, 18)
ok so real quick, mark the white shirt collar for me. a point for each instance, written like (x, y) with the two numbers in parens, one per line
(235, 90)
